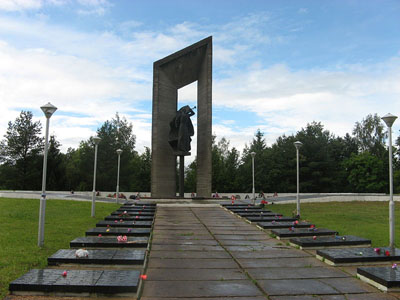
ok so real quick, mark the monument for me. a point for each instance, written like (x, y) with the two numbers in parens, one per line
(170, 74)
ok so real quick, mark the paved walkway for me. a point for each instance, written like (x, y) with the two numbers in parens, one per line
(209, 253)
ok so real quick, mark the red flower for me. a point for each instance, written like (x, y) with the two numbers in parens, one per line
(144, 277)
(314, 237)
(387, 253)
(64, 274)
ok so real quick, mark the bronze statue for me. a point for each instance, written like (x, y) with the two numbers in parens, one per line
(181, 129)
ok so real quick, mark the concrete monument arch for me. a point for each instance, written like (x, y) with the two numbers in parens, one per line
(170, 74)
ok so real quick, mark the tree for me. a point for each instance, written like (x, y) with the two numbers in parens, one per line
(56, 172)
(20, 149)
(370, 135)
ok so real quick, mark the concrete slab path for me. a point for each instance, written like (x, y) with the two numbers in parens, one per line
(209, 253)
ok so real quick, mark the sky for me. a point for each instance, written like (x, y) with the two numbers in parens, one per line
(277, 65)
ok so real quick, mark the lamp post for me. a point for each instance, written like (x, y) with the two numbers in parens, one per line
(254, 190)
(96, 141)
(48, 110)
(389, 120)
(298, 144)
(119, 151)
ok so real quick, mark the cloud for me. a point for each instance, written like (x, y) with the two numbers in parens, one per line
(19, 5)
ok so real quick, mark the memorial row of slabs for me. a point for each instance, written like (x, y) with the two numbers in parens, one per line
(109, 260)
(332, 248)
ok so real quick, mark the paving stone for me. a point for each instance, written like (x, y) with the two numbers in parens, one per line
(273, 225)
(296, 262)
(371, 296)
(77, 281)
(183, 242)
(270, 219)
(248, 237)
(118, 231)
(103, 242)
(186, 247)
(303, 297)
(182, 232)
(251, 248)
(181, 237)
(130, 218)
(283, 233)
(213, 298)
(268, 242)
(296, 287)
(194, 263)
(388, 277)
(195, 274)
(129, 224)
(348, 285)
(231, 232)
(189, 254)
(228, 288)
(271, 253)
(98, 256)
(295, 273)
(358, 255)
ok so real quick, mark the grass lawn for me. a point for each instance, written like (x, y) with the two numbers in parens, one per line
(365, 219)
(65, 220)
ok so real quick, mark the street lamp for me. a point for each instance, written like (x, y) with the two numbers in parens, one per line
(298, 144)
(96, 141)
(119, 151)
(254, 190)
(389, 120)
(48, 110)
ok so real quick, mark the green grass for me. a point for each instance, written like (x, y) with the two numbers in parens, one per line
(365, 219)
(65, 220)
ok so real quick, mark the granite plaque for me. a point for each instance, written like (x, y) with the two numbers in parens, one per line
(272, 225)
(330, 241)
(302, 232)
(77, 281)
(270, 219)
(109, 242)
(129, 224)
(129, 218)
(388, 277)
(359, 255)
(98, 256)
(104, 231)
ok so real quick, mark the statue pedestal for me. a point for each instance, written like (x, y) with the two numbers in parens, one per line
(181, 155)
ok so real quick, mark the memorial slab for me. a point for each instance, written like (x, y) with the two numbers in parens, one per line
(104, 231)
(358, 255)
(275, 225)
(129, 224)
(133, 213)
(260, 214)
(270, 219)
(284, 233)
(107, 242)
(77, 281)
(338, 241)
(98, 257)
(129, 218)
(386, 279)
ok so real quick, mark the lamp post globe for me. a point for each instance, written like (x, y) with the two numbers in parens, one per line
(48, 110)
(253, 154)
(298, 145)
(119, 151)
(389, 120)
(96, 141)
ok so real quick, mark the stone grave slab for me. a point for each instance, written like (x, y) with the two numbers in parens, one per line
(99, 257)
(358, 255)
(107, 242)
(250, 210)
(230, 205)
(129, 218)
(338, 241)
(386, 279)
(129, 224)
(275, 225)
(104, 231)
(270, 219)
(137, 208)
(258, 214)
(132, 213)
(77, 281)
(285, 233)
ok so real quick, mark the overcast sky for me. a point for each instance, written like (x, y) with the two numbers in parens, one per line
(277, 65)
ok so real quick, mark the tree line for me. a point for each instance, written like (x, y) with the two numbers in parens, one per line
(357, 162)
